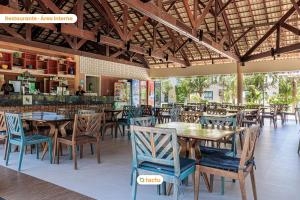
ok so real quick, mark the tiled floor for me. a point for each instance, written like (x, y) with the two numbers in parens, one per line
(277, 174)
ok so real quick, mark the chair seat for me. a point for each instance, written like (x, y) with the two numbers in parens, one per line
(215, 151)
(185, 164)
(228, 163)
(123, 121)
(32, 139)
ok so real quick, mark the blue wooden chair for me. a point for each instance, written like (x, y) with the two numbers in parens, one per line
(232, 167)
(219, 122)
(143, 121)
(3, 133)
(128, 113)
(156, 152)
(17, 137)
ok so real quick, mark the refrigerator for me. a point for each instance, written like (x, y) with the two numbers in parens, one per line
(150, 85)
(143, 92)
(135, 93)
(122, 94)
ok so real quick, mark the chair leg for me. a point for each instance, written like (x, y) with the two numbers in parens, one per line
(8, 152)
(92, 149)
(211, 180)
(299, 147)
(74, 156)
(242, 186)
(222, 185)
(134, 185)
(5, 148)
(253, 184)
(70, 152)
(51, 150)
(176, 189)
(58, 146)
(98, 151)
(197, 184)
(37, 151)
(21, 156)
(81, 151)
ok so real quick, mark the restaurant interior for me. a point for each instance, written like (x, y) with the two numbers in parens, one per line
(151, 100)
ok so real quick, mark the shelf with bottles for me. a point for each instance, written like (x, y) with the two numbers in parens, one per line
(71, 67)
(6, 60)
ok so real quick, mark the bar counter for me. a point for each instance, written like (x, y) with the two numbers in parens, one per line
(39, 100)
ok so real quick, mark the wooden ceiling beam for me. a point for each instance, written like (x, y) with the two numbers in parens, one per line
(152, 11)
(291, 28)
(189, 12)
(224, 7)
(136, 27)
(296, 6)
(89, 35)
(201, 18)
(270, 31)
(112, 19)
(241, 36)
(11, 31)
(281, 50)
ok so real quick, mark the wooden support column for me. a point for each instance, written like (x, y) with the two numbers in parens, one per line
(239, 83)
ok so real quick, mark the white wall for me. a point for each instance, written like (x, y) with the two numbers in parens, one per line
(228, 68)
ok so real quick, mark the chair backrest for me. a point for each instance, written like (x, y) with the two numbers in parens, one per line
(251, 135)
(146, 110)
(190, 116)
(14, 125)
(143, 121)
(86, 112)
(128, 110)
(88, 124)
(219, 111)
(2, 122)
(155, 145)
(175, 114)
(219, 121)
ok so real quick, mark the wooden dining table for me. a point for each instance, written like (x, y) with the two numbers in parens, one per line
(53, 120)
(194, 132)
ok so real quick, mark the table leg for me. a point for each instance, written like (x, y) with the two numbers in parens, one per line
(54, 146)
(51, 133)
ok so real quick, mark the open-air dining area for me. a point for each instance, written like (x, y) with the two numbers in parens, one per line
(149, 99)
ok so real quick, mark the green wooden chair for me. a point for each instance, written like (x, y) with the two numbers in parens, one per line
(17, 137)
(156, 152)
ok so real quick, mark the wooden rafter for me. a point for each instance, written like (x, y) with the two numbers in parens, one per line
(269, 32)
(152, 11)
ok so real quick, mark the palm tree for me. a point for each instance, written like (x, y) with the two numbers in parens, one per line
(183, 90)
(166, 88)
(200, 83)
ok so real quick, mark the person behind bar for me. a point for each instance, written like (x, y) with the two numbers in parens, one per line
(7, 88)
(80, 91)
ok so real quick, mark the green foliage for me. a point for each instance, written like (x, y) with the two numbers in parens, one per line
(166, 88)
(183, 90)
(255, 85)
(230, 88)
(285, 92)
(199, 84)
